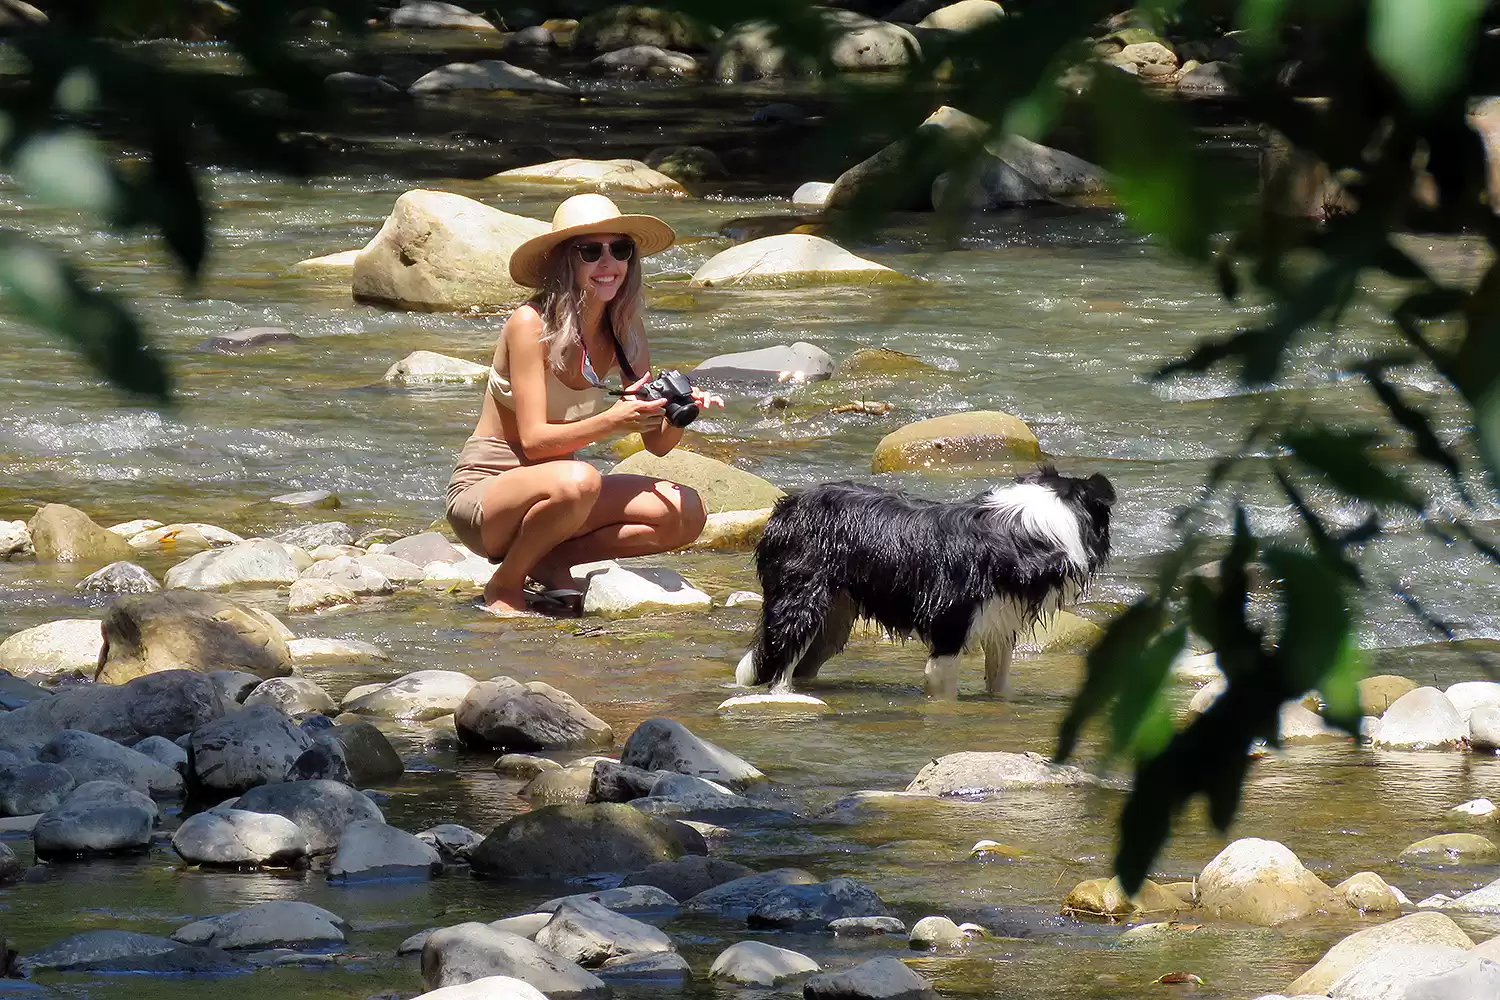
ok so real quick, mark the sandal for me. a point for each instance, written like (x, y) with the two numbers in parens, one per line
(563, 599)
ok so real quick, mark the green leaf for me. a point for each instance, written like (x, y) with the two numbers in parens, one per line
(1115, 663)
(1139, 702)
(1344, 458)
(1423, 45)
(68, 169)
(1340, 687)
(1317, 623)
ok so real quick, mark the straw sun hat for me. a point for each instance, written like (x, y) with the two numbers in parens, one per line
(581, 215)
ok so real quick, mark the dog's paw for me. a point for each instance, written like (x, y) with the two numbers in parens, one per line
(745, 672)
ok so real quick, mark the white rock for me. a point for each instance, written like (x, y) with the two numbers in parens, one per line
(1423, 719)
(216, 535)
(400, 572)
(421, 695)
(354, 576)
(744, 599)
(66, 646)
(756, 963)
(126, 529)
(1477, 979)
(1198, 668)
(372, 850)
(429, 367)
(486, 74)
(1478, 808)
(334, 651)
(965, 15)
(309, 594)
(1483, 900)
(1207, 695)
(604, 176)
(1469, 695)
(340, 263)
(624, 593)
(325, 552)
(432, 14)
(1388, 974)
(789, 260)
(487, 988)
(470, 573)
(775, 703)
(256, 563)
(170, 538)
(1261, 882)
(813, 194)
(15, 541)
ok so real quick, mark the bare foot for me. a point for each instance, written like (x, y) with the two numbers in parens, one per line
(506, 602)
(553, 576)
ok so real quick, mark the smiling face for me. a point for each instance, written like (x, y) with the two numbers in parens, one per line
(602, 278)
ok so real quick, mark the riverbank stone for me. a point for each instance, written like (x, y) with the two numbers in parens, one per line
(1106, 897)
(418, 696)
(432, 14)
(27, 789)
(431, 368)
(291, 696)
(973, 772)
(1261, 882)
(310, 594)
(589, 934)
(859, 927)
(15, 541)
(321, 809)
(1389, 973)
(811, 907)
(453, 843)
(936, 933)
(689, 876)
(346, 572)
(488, 988)
(966, 15)
(1428, 928)
(801, 360)
(721, 486)
(507, 715)
(256, 745)
(601, 176)
(1423, 719)
(858, 44)
(98, 817)
(277, 923)
(120, 578)
(755, 963)
(171, 704)
(639, 900)
(622, 26)
(88, 757)
(258, 562)
(310, 536)
(1466, 696)
(68, 646)
(791, 260)
(370, 757)
(651, 61)
(668, 745)
(737, 898)
(60, 533)
(17, 693)
(975, 436)
(467, 952)
(1367, 892)
(572, 840)
(486, 74)
(443, 252)
(615, 591)
(1452, 848)
(185, 630)
(104, 950)
(372, 851)
(883, 978)
(238, 839)
(1484, 729)
(425, 548)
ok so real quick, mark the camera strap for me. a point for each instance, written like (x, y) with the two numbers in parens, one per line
(625, 366)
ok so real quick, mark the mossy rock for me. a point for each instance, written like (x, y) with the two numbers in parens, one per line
(722, 486)
(733, 530)
(881, 361)
(956, 439)
(624, 25)
(1105, 897)
(1454, 849)
(1065, 632)
(1378, 693)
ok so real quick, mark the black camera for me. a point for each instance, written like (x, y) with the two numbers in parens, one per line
(674, 387)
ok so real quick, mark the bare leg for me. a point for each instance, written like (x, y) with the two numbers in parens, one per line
(527, 512)
(633, 516)
(997, 667)
(942, 676)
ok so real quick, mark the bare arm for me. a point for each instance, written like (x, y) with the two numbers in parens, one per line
(528, 381)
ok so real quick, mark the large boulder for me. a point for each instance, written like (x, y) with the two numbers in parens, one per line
(443, 252)
(54, 649)
(974, 772)
(167, 704)
(238, 839)
(639, 900)
(1106, 897)
(1391, 972)
(88, 757)
(369, 755)
(1261, 882)
(1469, 695)
(813, 907)
(417, 696)
(346, 573)
(120, 578)
(370, 851)
(738, 898)
(1379, 692)
(65, 534)
(755, 963)
(617, 592)
(18, 693)
(321, 809)
(1427, 927)
(1423, 719)
(791, 260)
(432, 14)
(976, 436)
(258, 562)
(1451, 849)
(117, 952)
(688, 876)
(901, 175)
(278, 923)
(99, 817)
(28, 789)
(571, 840)
(488, 988)
(1017, 171)
(291, 696)
(585, 932)
(667, 745)
(603, 176)
(883, 978)
(722, 487)
(254, 746)
(504, 714)
(453, 956)
(626, 25)
(1476, 979)
(801, 361)
(186, 630)
(966, 15)
(1485, 900)
(425, 548)
(486, 74)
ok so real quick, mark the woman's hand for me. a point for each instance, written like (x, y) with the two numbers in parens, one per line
(705, 399)
(638, 414)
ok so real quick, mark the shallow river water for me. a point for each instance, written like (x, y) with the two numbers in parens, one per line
(1058, 318)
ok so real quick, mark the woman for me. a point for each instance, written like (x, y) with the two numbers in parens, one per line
(518, 496)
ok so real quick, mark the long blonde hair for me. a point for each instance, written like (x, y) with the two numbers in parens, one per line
(560, 303)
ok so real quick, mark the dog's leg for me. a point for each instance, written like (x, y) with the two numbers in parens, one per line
(746, 674)
(942, 676)
(830, 640)
(997, 667)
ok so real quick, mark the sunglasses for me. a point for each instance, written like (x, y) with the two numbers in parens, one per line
(621, 250)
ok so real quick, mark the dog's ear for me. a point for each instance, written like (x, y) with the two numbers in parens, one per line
(1101, 488)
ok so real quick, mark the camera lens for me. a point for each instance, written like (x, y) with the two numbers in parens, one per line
(682, 414)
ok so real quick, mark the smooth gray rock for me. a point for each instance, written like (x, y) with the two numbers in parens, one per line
(363, 85)
(582, 931)
(737, 898)
(16, 693)
(88, 757)
(936, 933)
(866, 926)
(120, 578)
(292, 696)
(655, 967)
(880, 978)
(400, 572)
(688, 876)
(1388, 974)
(504, 714)
(667, 745)
(324, 760)
(95, 949)
(371, 758)
(770, 365)
(250, 337)
(233, 837)
(417, 696)
(616, 782)
(371, 851)
(428, 547)
(461, 954)
(310, 536)
(1212, 79)
(982, 773)
(1478, 979)
(452, 842)
(258, 562)
(99, 817)
(697, 794)
(164, 752)
(278, 923)
(167, 704)
(640, 899)
(237, 685)
(432, 14)
(1484, 728)
(256, 745)
(812, 907)
(322, 809)
(309, 499)
(755, 963)
(345, 572)
(27, 789)
(563, 841)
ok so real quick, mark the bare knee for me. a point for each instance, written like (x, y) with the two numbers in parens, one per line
(576, 483)
(687, 514)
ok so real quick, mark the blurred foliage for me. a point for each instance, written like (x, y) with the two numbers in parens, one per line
(1394, 83)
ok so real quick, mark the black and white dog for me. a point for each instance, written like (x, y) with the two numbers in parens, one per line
(973, 574)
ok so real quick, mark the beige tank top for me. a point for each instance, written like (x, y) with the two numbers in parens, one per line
(564, 403)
